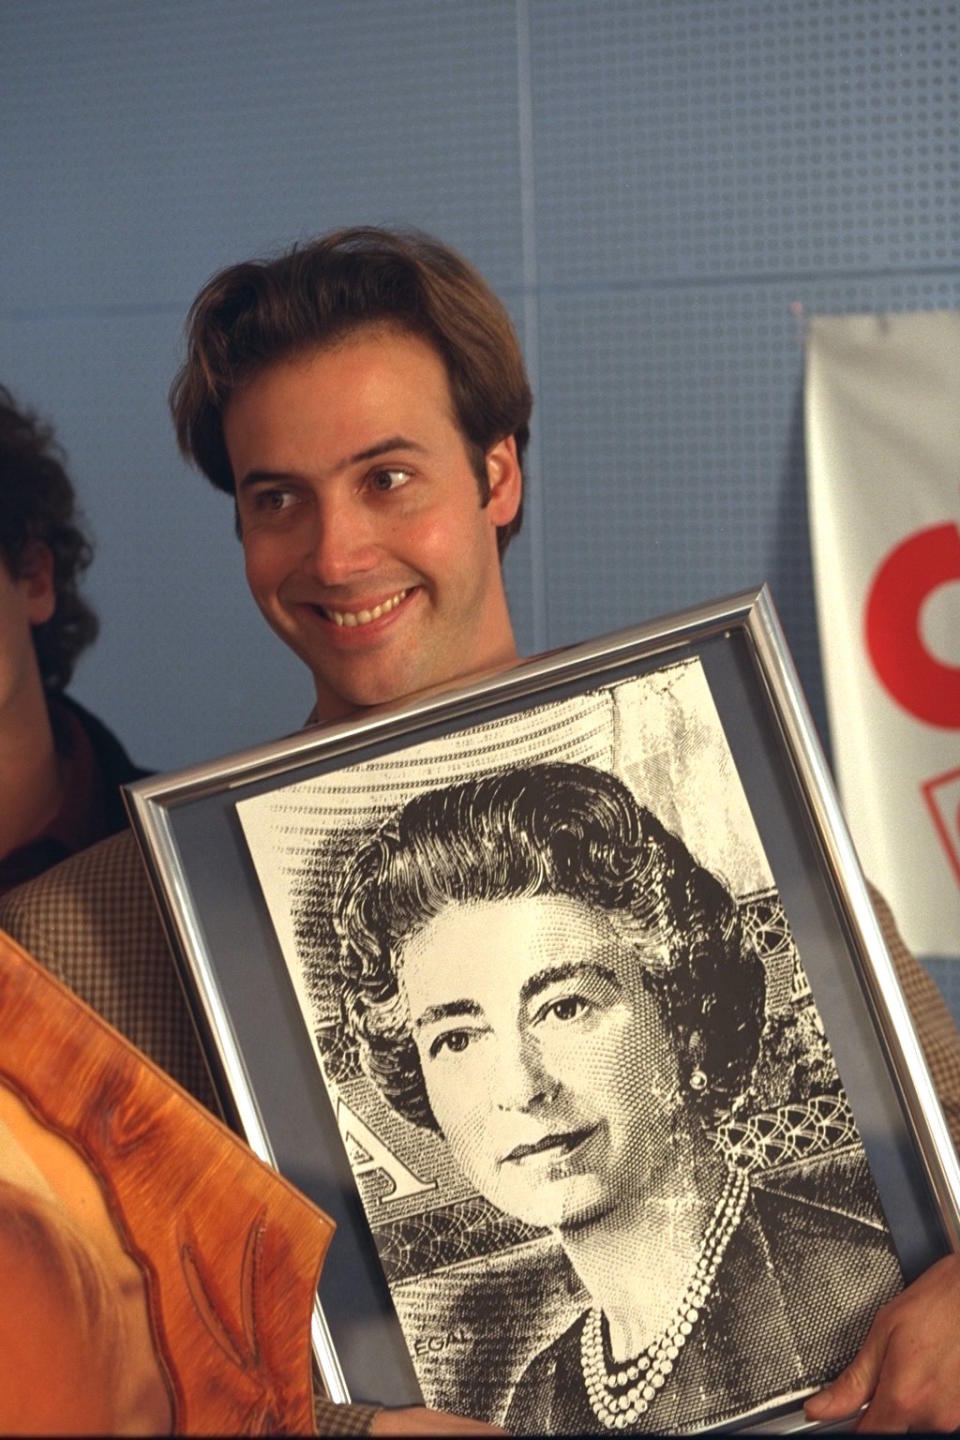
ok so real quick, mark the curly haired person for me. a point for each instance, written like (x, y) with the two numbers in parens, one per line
(60, 767)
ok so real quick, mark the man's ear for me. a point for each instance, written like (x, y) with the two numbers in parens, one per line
(35, 581)
(506, 481)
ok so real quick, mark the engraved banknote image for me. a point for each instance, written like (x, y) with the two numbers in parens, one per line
(596, 1126)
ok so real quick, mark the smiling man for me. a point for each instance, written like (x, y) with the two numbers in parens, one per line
(365, 401)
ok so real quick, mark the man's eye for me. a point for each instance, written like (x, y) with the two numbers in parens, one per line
(273, 500)
(387, 480)
(453, 1040)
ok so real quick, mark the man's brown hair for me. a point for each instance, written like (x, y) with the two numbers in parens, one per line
(255, 314)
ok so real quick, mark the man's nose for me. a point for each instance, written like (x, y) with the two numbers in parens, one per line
(522, 1081)
(342, 544)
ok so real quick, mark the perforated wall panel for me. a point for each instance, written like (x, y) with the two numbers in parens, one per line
(654, 186)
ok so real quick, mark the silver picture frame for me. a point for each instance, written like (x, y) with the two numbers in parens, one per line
(264, 1061)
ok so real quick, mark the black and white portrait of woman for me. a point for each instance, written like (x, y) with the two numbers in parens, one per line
(537, 969)
(622, 1187)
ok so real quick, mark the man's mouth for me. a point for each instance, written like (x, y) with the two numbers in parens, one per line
(556, 1146)
(352, 619)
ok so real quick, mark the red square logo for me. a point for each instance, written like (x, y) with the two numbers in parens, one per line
(942, 795)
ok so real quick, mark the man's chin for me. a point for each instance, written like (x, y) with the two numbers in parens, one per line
(350, 690)
(360, 697)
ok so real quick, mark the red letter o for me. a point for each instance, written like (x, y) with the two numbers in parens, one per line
(916, 567)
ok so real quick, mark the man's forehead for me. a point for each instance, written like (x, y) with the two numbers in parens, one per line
(386, 335)
(357, 381)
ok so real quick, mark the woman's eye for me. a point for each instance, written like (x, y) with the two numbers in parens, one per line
(386, 480)
(453, 1040)
(568, 1007)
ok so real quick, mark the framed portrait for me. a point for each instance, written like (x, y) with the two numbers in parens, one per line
(562, 992)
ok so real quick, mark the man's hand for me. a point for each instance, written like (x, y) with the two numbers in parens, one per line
(908, 1368)
(428, 1422)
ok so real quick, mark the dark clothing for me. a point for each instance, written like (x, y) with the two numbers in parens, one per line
(792, 1302)
(95, 765)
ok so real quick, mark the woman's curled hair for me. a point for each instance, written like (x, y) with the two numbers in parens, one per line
(545, 830)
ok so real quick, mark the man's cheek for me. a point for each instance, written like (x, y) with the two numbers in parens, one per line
(422, 550)
(437, 542)
(263, 572)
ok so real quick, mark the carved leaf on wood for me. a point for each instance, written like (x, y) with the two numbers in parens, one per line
(239, 1343)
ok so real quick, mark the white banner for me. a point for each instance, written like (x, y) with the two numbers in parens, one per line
(883, 464)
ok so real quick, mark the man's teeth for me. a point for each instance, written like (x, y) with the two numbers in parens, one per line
(351, 618)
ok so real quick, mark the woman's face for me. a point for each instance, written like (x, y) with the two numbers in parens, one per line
(546, 1062)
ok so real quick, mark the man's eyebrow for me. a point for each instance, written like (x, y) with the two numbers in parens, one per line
(568, 970)
(393, 442)
(380, 447)
(433, 1013)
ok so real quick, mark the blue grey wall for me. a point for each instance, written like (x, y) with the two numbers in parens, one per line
(654, 186)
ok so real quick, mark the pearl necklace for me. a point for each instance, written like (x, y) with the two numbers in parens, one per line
(619, 1399)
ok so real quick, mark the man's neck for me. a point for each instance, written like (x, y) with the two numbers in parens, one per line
(30, 779)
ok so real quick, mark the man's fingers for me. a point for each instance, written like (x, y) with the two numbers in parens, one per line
(854, 1386)
(911, 1393)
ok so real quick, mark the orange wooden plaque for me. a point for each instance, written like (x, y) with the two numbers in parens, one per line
(229, 1251)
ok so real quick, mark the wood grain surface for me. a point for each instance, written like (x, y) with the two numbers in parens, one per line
(229, 1251)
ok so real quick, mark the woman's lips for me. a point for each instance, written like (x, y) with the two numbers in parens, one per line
(551, 1146)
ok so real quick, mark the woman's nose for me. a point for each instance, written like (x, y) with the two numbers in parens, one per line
(522, 1081)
